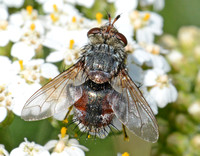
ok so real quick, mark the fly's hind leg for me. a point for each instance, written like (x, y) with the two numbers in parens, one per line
(126, 138)
(67, 115)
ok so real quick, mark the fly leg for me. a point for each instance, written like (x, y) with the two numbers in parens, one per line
(126, 138)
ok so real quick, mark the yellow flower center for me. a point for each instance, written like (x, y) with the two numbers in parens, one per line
(63, 132)
(55, 8)
(3, 24)
(65, 121)
(21, 64)
(53, 17)
(29, 9)
(125, 154)
(32, 26)
(162, 81)
(73, 19)
(75, 135)
(71, 44)
(2, 88)
(99, 17)
(146, 17)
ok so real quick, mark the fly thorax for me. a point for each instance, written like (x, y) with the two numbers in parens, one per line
(102, 62)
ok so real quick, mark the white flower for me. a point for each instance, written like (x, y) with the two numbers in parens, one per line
(86, 3)
(8, 33)
(194, 109)
(25, 15)
(3, 12)
(33, 70)
(14, 3)
(22, 51)
(6, 100)
(21, 92)
(149, 54)
(65, 146)
(157, 4)
(3, 151)
(30, 40)
(68, 54)
(125, 7)
(162, 90)
(3, 114)
(146, 25)
(27, 148)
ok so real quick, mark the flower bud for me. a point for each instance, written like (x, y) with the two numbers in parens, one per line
(184, 125)
(177, 143)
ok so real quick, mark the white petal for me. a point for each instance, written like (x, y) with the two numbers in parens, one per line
(64, 153)
(61, 115)
(3, 12)
(86, 3)
(74, 151)
(22, 51)
(144, 35)
(160, 96)
(173, 93)
(4, 38)
(125, 6)
(48, 5)
(49, 70)
(140, 56)
(16, 19)
(22, 92)
(18, 151)
(150, 77)
(159, 4)
(14, 33)
(3, 151)
(50, 144)
(14, 3)
(164, 95)
(150, 99)
(3, 113)
(160, 62)
(55, 56)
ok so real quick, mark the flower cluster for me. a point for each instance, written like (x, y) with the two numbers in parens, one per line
(179, 122)
(36, 42)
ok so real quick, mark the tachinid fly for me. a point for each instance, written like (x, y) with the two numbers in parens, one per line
(98, 88)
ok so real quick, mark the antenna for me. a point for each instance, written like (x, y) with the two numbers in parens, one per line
(116, 18)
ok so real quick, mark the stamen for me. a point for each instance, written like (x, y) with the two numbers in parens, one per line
(125, 154)
(32, 26)
(53, 17)
(21, 64)
(99, 17)
(63, 132)
(29, 9)
(75, 135)
(55, 8)
(65, 121)
(71, 44)
(146, 17)
(89, 136)
(73, 19)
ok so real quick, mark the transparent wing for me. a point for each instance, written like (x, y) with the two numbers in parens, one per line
(132, 109)
(56, 96)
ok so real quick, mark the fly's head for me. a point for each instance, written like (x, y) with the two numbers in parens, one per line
(107, 34)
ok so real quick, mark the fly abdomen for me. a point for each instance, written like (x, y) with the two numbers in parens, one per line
(92, 109)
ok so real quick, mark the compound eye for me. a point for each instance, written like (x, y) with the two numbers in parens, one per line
(122, 38)
(93, 31)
